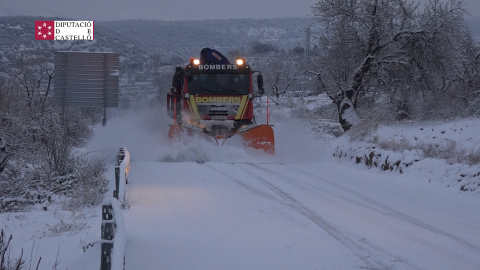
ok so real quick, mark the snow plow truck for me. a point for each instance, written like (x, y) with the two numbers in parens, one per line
(212, 97)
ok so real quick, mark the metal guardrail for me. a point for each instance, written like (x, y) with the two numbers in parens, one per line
(113, 232)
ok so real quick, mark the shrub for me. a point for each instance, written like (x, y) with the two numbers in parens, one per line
(5, 262)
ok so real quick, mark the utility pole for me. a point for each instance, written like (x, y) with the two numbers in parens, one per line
(307, 57)
(307, 48)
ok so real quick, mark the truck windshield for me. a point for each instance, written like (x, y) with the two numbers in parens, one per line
(219, 84)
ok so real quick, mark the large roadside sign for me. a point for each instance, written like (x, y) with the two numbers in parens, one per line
(85, 79)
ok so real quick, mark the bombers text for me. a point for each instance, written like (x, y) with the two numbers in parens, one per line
(217, 67)
(218, 99)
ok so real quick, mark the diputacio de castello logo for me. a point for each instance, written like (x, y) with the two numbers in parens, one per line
(64, 30)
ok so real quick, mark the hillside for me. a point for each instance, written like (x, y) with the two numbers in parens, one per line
(183, 38)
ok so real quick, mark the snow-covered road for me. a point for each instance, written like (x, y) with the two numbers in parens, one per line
(322, 215)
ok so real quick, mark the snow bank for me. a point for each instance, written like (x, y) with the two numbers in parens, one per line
(373, 156)
(443, 153)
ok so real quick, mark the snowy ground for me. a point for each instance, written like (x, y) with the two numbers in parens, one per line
(218, 215)
(198, 206)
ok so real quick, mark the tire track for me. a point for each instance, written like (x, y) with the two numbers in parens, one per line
(380, 207)
(372, 256)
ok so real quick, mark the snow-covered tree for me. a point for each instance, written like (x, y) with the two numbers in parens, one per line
(366, 43)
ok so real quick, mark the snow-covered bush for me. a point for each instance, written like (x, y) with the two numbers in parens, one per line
(38, 161)
(90, 183)
(373, 156)
(25, 185)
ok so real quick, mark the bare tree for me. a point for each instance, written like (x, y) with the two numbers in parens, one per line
(34, 74)
(281, 73)
(282, 82)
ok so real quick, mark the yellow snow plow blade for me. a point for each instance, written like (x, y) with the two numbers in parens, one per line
(254, 136)
(259, 137)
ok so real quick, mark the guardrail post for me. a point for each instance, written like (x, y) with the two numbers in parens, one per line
(108, 233)
(108, 224)
(106, 260)
(117, 182)
(120, 155)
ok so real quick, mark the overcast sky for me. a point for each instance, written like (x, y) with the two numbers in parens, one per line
(168, 10)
